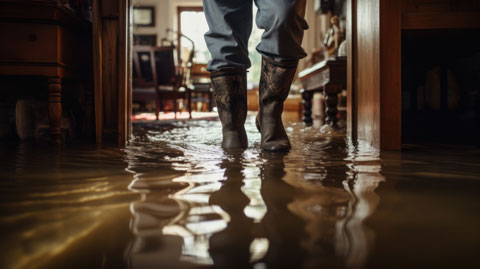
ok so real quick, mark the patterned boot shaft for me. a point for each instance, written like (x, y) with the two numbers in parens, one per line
(275, 81)
(230, 91)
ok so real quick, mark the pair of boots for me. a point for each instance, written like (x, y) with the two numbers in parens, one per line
(230, 88)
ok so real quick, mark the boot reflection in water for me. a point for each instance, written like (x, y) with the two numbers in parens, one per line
(230, 25)
(230, 248)
(284, 230)
(280, 231)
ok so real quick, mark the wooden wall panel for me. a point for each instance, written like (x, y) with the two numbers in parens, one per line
(112, 44)
(110, 80)
(129, 71)
(351, 70)
(122, 72)
(390, 75)
(440, 14)
(111, 8)
(97, 69)
(374, 72)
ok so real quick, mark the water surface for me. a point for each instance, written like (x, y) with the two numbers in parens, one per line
(174, 198)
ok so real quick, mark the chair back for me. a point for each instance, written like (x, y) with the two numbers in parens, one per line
(153, 66)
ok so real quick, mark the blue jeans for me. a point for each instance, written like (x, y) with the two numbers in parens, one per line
(230, 25)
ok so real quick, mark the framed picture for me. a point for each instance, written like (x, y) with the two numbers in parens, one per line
(144, 16)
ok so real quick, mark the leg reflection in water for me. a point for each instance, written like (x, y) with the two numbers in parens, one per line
(283, 229)
(265, 210)
(231, 246)
(272, 239)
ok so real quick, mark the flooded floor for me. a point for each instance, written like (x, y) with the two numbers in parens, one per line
(173, 198)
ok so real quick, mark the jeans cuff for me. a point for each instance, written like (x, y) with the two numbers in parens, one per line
(227, 71)
(284, 64)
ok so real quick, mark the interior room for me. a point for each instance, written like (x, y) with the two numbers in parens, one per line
(334, 133)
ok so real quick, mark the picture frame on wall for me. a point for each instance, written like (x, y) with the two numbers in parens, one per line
(144, 16)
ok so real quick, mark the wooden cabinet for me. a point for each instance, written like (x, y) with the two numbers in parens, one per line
(440, 14)
(47, 39)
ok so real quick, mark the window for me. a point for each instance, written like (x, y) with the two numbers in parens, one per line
(192, 23)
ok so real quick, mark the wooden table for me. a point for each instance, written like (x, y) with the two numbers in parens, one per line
(328, 76)
(45, 39)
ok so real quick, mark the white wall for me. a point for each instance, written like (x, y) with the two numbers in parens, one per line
(165, 16)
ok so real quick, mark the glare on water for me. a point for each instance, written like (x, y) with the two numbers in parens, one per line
(174, 198)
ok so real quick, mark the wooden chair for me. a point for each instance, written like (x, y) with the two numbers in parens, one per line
(154, 77)
(202, 87)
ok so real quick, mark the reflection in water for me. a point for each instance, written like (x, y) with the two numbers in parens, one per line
(283, 229)
(175, 216)
(173, 198)
(248, 208)
(231, 246)
(365, 178)
(336, 203)
(50, 202)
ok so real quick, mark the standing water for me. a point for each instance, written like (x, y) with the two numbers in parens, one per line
(173, 198)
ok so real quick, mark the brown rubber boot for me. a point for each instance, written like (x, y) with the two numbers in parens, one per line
(275, 81)
(230, 88)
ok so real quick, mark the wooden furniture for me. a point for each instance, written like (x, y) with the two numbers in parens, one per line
(45, 39)
(202, 90)
(155, 78)
(374, 44)
(328, 76)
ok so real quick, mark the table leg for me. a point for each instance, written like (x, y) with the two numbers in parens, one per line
(307, 106)
(55, 109)
(158, 106)
(189, 95)
(331, 100)
(210, 101)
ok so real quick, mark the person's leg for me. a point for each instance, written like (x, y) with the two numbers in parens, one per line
(230, 25)
(284, 23)
(281, 49)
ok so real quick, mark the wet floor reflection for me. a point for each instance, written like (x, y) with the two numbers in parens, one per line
(174, 199)
(285, 236)
(50, 202)
(249, 208)
(230, 247)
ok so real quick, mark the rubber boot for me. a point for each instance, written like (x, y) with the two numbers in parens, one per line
(275, 81)
(230, 89)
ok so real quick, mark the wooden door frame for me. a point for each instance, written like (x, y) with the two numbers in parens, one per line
(351, 28)
(112, 63)
(112, 66)
(374, 113)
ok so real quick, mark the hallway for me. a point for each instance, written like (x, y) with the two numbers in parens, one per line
(174, 198)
